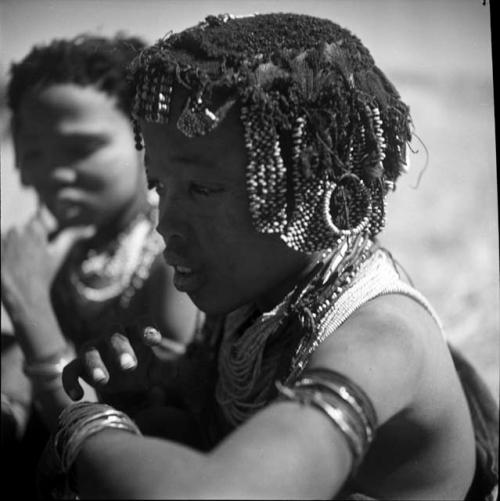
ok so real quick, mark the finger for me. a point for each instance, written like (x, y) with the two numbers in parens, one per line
(173, 346)
(38, 225)
(122, 351)
(71, 373)
(64, 241)
(94, 368)
(47, 219)
(151, 336)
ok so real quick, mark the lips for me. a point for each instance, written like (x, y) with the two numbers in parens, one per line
(186, 278)
(67, 209)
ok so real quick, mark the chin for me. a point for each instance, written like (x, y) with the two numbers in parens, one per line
(68, 220)
(212, 304)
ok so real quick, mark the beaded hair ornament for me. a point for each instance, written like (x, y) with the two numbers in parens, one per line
(325, 131)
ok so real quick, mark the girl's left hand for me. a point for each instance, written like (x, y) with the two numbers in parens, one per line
(30, 261)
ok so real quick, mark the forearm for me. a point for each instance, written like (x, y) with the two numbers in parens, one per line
(284, 452)
(50, 403)
(36, 327)
(41, 339)
(114, 464)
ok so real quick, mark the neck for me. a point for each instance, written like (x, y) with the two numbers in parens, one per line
(273, 297)
(109, 230)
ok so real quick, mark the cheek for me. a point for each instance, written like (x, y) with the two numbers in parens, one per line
(108, 172)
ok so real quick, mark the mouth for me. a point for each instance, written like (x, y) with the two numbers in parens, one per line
(67, 203)
(67, 209)
(186, 279)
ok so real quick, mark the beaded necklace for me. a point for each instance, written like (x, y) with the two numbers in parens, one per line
(122, 267)
(248, 360)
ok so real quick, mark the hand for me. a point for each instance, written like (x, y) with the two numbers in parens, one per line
(30, 261)
(131, 362)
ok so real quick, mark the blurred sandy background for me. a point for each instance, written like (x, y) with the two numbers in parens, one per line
(438, 54)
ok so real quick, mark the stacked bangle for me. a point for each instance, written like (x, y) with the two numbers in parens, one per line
(76, 424)
(80, 421)
(345, 404)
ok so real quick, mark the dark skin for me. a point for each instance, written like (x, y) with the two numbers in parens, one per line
(75, 147)
(391, 347)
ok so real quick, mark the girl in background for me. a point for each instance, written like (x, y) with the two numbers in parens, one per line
(90, 260)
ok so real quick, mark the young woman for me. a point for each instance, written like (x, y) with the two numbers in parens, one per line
(90, 260)
(274, 140)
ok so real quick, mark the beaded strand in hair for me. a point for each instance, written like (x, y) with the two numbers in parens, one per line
(291, 76)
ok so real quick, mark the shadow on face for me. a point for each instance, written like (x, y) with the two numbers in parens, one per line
(221, 261)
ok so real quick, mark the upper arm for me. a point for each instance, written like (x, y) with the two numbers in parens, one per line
(293, 450)
(286, 451)
(381, 349)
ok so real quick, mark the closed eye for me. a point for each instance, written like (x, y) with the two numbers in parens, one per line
(205, 191)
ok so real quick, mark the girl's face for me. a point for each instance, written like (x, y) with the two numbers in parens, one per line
(220, 260)
(75, 147)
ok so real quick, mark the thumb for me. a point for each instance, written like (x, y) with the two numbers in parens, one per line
(67, 238)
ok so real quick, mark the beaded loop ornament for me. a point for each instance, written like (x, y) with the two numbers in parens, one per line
(325, 131)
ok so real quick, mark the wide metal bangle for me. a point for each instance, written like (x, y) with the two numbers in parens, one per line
(345, 404)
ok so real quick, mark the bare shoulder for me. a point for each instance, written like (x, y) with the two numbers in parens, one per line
(390, 342)
(394, 350)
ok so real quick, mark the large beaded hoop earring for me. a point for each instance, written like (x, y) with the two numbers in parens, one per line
(347, 206)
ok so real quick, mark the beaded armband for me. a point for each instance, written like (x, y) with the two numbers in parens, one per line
(345, 403)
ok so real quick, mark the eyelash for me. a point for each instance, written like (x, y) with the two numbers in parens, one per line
(203, 190)
(194, 188)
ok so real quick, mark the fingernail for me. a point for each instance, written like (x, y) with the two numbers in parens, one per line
(87, 232)
(127, 361)
(151, 334)
(98, 375)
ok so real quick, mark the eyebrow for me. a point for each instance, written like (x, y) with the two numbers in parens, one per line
(181, 159)
(191, 159)
(73, 136)
(95, 136)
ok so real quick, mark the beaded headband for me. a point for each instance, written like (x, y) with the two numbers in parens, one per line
(325, 131)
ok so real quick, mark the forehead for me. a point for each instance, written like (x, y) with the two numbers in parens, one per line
(67, 107)
(223, 148)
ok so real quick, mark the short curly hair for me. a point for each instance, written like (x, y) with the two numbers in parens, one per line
(83, 60)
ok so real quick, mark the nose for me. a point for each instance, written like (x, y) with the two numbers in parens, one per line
(172, 220)
(46, 178)
(63, 175)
